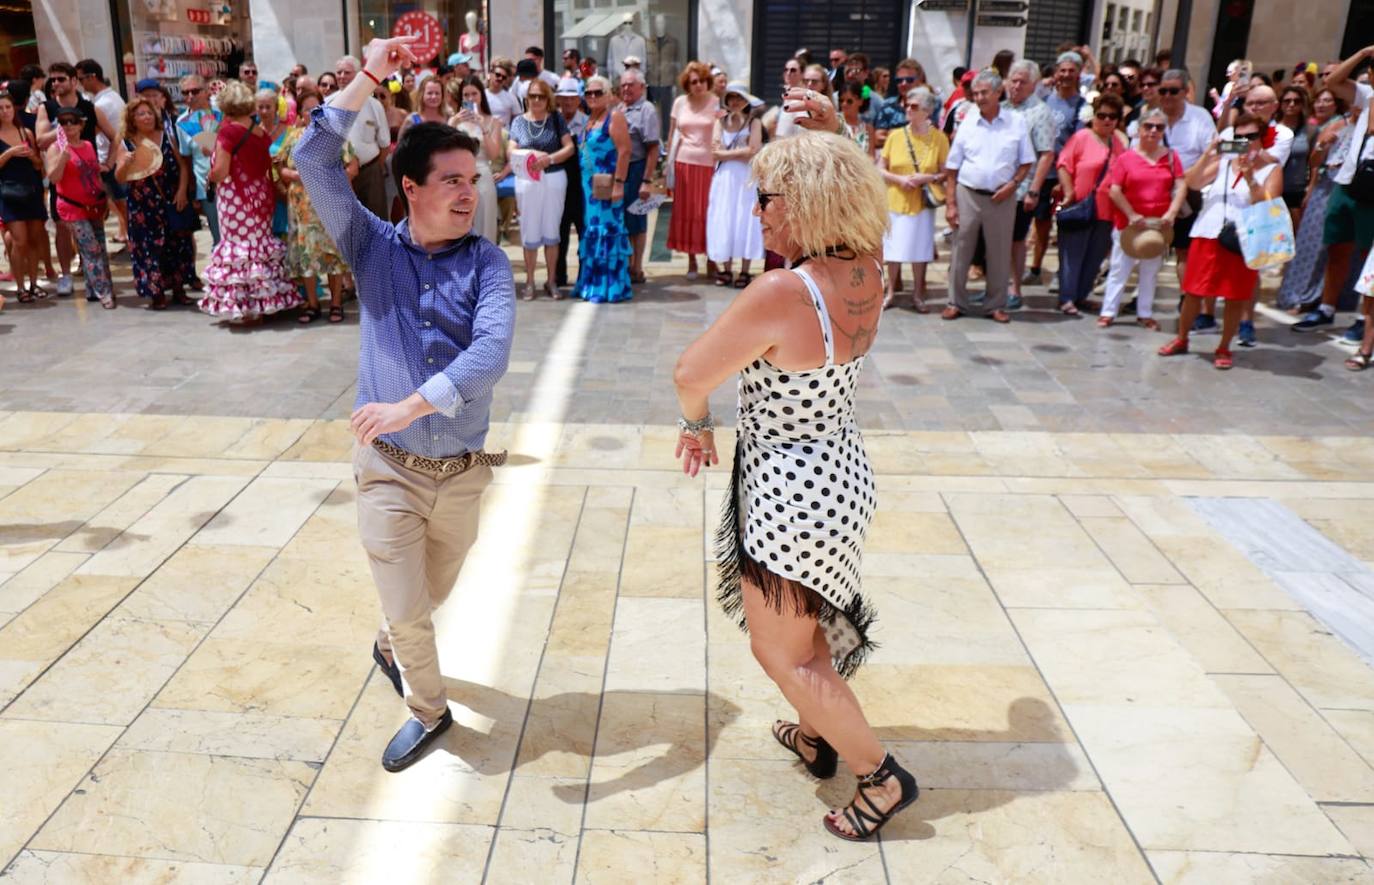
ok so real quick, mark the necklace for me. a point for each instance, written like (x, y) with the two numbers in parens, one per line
(537, 133)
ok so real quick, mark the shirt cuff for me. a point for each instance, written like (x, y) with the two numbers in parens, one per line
(440, 393)
(337, 120)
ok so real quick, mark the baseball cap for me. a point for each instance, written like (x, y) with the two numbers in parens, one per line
(147, 83)
(459, 58)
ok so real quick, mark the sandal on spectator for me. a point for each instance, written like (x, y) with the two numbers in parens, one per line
(309, 315)
(336, 314)
(1359, 362)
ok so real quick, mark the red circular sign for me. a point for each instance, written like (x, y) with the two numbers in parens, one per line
(424, 26)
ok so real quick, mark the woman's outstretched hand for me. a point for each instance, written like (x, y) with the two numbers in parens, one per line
(696, 451)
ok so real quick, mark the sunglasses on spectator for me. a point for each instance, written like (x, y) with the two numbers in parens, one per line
(1152, 127)
(765, 198)
(248, 72)
(594, 93)
(536, 95)
(1292, 99)
(1148, 84)
(695, 80)
(791, 69)
(1170, 90)
(1101, 116)
(906, 79)
(192, 90)
(57, 78)
(1250, 136)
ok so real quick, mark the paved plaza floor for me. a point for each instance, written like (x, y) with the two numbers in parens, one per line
(1126, 615)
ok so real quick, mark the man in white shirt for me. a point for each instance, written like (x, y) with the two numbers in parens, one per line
(1349, 225)
(990, 158)
(91, 78)
(536, 55)
(1190, 132)
(505, 106)
(370, 137)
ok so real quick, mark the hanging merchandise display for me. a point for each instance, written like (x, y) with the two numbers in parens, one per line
(172, 41)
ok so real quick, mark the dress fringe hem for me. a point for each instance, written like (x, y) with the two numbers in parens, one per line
(784, 595)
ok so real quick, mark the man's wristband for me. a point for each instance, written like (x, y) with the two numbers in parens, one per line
(371, 76)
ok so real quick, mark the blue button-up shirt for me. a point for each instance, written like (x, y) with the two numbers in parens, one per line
(439, 322)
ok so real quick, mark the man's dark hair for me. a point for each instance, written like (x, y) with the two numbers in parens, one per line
(20, 90)
(858, 58)
(304, 69)
(577, 56)
(89, 67)
(414, 157)
(62, 67)
(959, 71)
(32, 72)
(534, 51)
(1129, 63)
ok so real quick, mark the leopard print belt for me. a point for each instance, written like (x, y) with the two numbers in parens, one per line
(440, 466)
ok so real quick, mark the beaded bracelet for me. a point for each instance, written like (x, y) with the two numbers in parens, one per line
(701, 425)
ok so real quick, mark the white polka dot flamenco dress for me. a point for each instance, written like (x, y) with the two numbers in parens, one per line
(246, 277)
(801, 498)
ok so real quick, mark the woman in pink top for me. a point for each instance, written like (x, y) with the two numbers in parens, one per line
(693, 121)
(1083, 165)
(1146, 187)
(71, 164)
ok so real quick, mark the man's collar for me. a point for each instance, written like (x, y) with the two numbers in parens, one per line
(403, 231)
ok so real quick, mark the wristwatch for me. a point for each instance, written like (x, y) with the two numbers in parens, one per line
(1033, 194)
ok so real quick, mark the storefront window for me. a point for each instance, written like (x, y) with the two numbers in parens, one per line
(170, 42)
(463, 24)
(18, 44)
(654, 31)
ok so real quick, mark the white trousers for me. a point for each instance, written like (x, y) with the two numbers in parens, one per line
(541, 207)
(1119, 271)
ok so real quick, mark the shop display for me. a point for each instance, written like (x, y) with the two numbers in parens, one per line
(177, 38)
(473, 43)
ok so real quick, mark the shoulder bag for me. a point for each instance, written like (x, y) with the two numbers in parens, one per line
(1361, 187)
(929, 199)
(1083, 212)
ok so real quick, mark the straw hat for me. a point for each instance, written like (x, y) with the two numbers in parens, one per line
(146, 162)
(1144, 243)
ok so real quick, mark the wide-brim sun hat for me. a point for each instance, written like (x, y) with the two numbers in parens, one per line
(1144, 243)
(737, 88)
(567, 87)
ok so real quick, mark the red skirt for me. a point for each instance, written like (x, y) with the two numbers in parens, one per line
(691, 193)
(1216, 272)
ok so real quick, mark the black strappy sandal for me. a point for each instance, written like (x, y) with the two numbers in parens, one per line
(309, 315)
(823, 766)
(866, 824)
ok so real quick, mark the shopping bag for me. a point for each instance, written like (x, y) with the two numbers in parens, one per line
(1266, 235)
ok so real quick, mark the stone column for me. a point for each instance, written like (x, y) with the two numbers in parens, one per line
(724, 31)
(289, 31)
(70, 30)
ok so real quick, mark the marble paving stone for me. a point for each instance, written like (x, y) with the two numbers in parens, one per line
(652, 648)
(159, 532)
(523, 856)
(24, 588)
(170, 435)
(584, 614)
(766, 827)
(331, 532)
(1313, 661)
(107, 525)
(323, 441)
(943, 613)
(333, 852)
(655, 857)
(332, 603)
(196, 584)
(1357, 823)
(180, 806)
(1202, 630)
(1130, 551)
(59, 868)
(1273, 537)
(560, 730)
(461, 780)
(1357, 727)
(600, 542)
(895, 531)
(41, 763)
(981, 836)
(277, 678)
(1238, 798)
(44, 631)
(1316, 755)
(544, 803)
(58, 497)
(1017, 767)
(267, 438)
(111, 674)
(649, 771)
(1205, 868)
(1342, 603)
(266, 513)
(1110, 657)
(1090, 505)
(246, 735)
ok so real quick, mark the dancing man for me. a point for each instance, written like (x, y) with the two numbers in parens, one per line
(437, 307)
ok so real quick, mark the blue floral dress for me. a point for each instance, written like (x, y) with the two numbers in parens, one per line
(162, 259)
(603, 252)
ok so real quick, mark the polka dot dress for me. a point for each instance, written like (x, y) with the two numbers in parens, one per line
(802, 497)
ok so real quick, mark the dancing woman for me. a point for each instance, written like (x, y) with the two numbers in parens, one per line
(801, 496)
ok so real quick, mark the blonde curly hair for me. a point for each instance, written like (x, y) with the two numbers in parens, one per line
(832, 193)
(236, 99)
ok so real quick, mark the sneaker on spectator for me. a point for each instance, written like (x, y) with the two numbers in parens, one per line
(64, 286)
(1032, 278)
(1313, 320)
(1356, 331)
(1246, 334)
(1014, 302)
(1204, 323)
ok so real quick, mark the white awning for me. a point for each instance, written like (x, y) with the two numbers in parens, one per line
(607, 25)
(584, 27)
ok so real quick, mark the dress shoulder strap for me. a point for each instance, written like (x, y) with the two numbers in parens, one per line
(822, 313)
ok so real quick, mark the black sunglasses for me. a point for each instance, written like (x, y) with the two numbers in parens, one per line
(1102, 116)
(1170, 90)
(1148, 84)
(1250, 136)
(1152, 127)
(594, 93)
(765, 198)
(57, 78)
(193, 90)
(906, 79)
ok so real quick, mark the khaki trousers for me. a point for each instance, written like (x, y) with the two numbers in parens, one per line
(996, 220)
(416, 528)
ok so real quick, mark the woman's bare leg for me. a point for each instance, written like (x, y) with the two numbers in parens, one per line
(335, 290)
(531, 262)
(890, 291)
(918, 277)
(550, 263)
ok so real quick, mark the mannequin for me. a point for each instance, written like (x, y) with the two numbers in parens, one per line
(664, 62)
(473, 43)
(624, 43)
